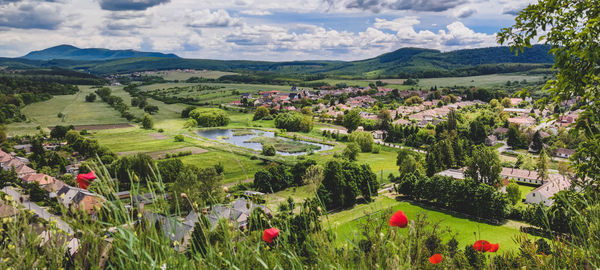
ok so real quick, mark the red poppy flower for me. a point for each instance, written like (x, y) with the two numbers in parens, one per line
(270, 234)
(436, 258)
(493, 247)
(399, 219)
(85, 179)
(480, 245)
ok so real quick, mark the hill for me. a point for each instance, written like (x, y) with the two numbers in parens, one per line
(73, 53)
(402, 63)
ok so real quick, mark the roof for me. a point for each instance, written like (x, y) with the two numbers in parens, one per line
(555, 184)
(518, 173)
(454, 173)
(500, 130)
(172, 229)
(564, 151)
(42, 179)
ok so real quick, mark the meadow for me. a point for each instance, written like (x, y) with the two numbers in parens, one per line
(172, 75)
(466, 231)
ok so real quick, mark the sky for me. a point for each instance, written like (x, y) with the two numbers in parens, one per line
(274, 30)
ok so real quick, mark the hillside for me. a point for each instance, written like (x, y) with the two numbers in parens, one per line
(402, 63)
(73, 53)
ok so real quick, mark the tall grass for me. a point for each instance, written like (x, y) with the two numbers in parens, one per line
(119, 238)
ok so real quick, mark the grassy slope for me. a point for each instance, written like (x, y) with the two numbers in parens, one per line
(180, 75)
(75, 109)
(478, 81)
(346, 222)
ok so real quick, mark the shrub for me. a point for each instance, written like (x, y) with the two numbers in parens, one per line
(363, 139)
(376, 149)
(293, 121)
(268, 150)
(210, 117)
(179, 138)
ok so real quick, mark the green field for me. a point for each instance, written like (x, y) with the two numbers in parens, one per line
(478, 81)
(382, 164)
(74, 108)
(172, 75)
(237, 167)
(467, 231)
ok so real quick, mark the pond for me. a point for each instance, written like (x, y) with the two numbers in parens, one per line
(254, 138)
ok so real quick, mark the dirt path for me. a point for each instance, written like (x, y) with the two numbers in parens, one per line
(161, 154)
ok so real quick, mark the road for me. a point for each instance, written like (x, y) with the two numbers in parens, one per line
(378, 141)
(38, 210)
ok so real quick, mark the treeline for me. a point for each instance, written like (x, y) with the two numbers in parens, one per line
(344, 181)
(63, 76)
(465, 196)
(278, 177)
(116, 102)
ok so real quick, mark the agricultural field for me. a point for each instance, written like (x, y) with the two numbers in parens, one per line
(172, 75)
(477, 81)
(74, 109)
(467, 231)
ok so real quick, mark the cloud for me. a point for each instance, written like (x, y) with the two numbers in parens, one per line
(414, 5)
(31, 15)
(465, 12)
(206, 18)
(512, 10)
(256, 12)
(116, 5)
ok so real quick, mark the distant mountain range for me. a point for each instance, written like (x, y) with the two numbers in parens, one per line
(401, 63)
(91, 54)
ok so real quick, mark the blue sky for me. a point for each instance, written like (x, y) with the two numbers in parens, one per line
(254, 29)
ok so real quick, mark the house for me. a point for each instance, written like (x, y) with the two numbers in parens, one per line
(378, 134)
(23, 171)
(564, 153)
(174, 230)
(26, 147)
(524, 176)
(544, 193)
(491, 140)
(237, 213)
(522, 121)
(40, 178)
(246, 95)
(500, 132)
(77, 198)
(72, 169)
(252, 193)
(515, 101)
(402, 122)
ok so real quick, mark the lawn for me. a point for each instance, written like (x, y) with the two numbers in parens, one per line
(136, 139)
(285, 146)
(237, 167)
(468, 231)
(382, 164)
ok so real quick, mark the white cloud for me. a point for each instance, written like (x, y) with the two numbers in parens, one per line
(256, 12)
(464, 12)
(206, 18)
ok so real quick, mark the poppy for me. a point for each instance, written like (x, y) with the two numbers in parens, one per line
(84, 179)
(270, 234)
(399, 219)
(493, 247)
(436, 258)
(480, 245)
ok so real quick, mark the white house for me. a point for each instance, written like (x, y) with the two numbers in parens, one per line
(525, 176)
(544, 193)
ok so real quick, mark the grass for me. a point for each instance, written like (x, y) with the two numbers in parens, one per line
(182, 76)
(382, 164)
(74, 108)
(237, 167)
(285, 145)
(345, 223)
(477, 81)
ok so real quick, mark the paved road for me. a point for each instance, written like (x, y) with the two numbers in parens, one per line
(378, 141)
(41, 212)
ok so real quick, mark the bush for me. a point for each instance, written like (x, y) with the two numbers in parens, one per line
(90, 98)
(363, 139)
(179, 138)
(293, 121)
(376, 149)
(268, 150)
(260, 113)
(210, 117)
(147, 122)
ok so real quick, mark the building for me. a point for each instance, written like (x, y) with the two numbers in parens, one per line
(491, 140)
(524, 176)
(454, 173)
(174, 230)
(237, 213)
(77, 198)
(544, 193)
(564, 152)
(378, 134)
(500, 132)
(40, 178)
(522, 121)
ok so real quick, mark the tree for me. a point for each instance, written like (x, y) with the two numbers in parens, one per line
(313, 177)
(413, 100)
(536, 142)
(210, 117)
(201, 186)
(351, 151)
(351, 120)
(185, 113)
(364, 139)
(58, 132)
(151, 109)
(260, 113)
(570, 27)
(293, 121)
(268, 149)
(147, 122)
(408, 164)
(169, 169)
(564, 168)
(514, 138)
(543, 165)
(90, 98)
(477, 132)
(525, 162)
(484, 165)
(506, 102)
(513, 192)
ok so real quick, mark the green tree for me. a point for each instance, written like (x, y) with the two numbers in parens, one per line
(408, 164)
(506, 102)
(293, 121)
(543, 165)
(36, 193)
(570, 27)
(260, 113)
(90, 98)
(210, 117)
(513, 192)
(484, 165)
(169, 169)
(351, 120)
(185, 113)
(351, 151)
(58, 132)
(151, 109)
(514, 137)
(364, 139)
(201, 186)
(147, 122)
(268, 149)
(536, 142)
